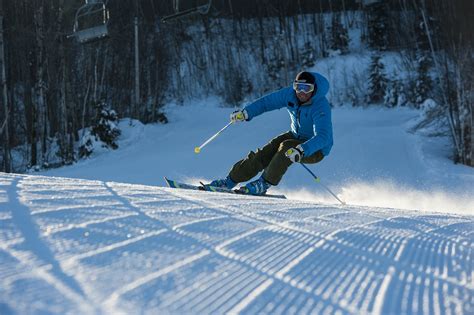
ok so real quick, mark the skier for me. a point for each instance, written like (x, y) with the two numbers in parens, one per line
(308, 141)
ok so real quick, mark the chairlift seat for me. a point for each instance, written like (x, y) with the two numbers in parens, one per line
(91, 33)
(91, 21)
(367, 3)
(202, 9)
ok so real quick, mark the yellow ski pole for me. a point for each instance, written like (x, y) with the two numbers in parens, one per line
(198, 149)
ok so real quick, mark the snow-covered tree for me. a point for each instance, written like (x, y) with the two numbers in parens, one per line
(105, 126)
(274, 67)
(395, 93)
(378, 26)
(307, 56)
(424, 83)
(377, 80)
(103, 133)
(86, 145)
(236, 86)
(390, 98)
(339, 35)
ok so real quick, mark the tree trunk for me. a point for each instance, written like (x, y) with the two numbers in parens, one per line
(40, 84)
(4, 128)
(62, 110)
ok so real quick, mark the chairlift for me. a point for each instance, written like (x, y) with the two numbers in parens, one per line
(367, 3)
(179, 12)
(91, 21)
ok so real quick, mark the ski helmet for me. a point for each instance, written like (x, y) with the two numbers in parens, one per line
(308, 78)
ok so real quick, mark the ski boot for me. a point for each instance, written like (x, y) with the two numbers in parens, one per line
(258, 187)
(226, 183)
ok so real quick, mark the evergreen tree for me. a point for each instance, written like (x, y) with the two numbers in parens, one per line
(86, 145)
(103, 133)
(395, 94)
(377, 80)
(378, 26)
(339, 35)
(390, 98)
(105, 126)
(307, 56)
(237, 87)
(421, 31)
(275, 67)
(424, 82)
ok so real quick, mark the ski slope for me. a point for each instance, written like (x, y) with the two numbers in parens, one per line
(103, 236)
(376, 161)
(74, 246)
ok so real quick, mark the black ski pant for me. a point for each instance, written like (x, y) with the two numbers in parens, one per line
(271, 159)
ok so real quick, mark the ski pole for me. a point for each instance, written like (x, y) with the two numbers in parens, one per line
(318, 180)
(198, 149)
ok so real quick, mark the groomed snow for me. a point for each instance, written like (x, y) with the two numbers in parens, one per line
(102, 236)
(73, 246)
(375, 160)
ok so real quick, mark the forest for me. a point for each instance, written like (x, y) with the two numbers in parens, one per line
(54, 86)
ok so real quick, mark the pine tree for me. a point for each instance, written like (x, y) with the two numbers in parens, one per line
(339, 35)
(395, 92)
(274, 67)
(307, 56)
(237, 87)
(377, 80)
(424, 83)
(390, 98)
(105, 127)
(378, 26)
(86, 145)
(103, 133)
(421, 31)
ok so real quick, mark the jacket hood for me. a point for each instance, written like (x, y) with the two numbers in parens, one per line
(322, 86)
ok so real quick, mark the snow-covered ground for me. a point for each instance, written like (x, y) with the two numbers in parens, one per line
(375, 161)
(102, 236)
(73, 246)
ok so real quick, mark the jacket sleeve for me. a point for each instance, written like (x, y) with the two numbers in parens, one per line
(322, 125)
(269, 102)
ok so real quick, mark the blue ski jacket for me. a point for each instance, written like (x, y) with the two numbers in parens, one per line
(310, 122)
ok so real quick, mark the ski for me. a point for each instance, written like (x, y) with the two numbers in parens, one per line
(238, 192)
(175, 184)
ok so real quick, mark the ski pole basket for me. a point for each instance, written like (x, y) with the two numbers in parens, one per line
(184, 9)
(91, 21)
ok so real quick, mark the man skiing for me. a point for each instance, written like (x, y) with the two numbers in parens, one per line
(308, 141)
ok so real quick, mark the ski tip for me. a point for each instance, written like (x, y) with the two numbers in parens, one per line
(168, 182)
(202, 187)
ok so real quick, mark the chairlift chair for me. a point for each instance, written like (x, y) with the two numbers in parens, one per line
(91, 21)
(179, 12)
(367, 3)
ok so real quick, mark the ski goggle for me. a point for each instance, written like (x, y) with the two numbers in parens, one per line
(303, 87)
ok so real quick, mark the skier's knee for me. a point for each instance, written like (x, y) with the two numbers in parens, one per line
(285, 145)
